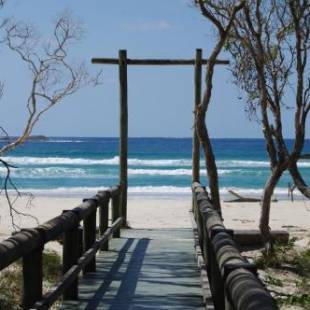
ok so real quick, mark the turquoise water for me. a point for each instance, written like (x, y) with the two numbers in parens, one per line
(157, 166)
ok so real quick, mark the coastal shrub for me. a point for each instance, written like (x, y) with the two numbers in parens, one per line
(277, 257)
(287, 257)
(11, 279)
(11, 287)
(302, 263)
(299, 261)
(273, 281)
(300, 300)
(52, 267)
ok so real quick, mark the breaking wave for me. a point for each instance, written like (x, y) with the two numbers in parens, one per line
(280, 193)
(137, 162)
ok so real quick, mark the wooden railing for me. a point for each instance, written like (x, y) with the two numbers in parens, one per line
(80, 246)
(233, 280)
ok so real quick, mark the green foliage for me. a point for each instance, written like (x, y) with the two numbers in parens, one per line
(302, 263)
(51, 266)
(298, 261)
(11, 279)
(300, 300)
(10, 287)
(304, 284)
(273, 281)
(279, 255)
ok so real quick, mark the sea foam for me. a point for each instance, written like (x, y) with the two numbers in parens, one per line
(136, 162)
(280, 192)
(74, 172)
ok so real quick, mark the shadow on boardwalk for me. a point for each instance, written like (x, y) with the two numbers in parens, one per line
(156, 272)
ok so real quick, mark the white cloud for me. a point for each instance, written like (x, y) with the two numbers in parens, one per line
(148, 26)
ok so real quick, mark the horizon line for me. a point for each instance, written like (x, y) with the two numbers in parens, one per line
(153, 137)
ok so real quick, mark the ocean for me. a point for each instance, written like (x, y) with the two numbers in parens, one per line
(73, 166)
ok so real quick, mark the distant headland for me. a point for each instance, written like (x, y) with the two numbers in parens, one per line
(31, 138)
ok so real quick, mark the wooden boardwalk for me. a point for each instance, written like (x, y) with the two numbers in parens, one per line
(144, 269)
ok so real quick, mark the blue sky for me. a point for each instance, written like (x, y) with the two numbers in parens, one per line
(160, 98)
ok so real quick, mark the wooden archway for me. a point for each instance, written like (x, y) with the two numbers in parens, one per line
(122, 61)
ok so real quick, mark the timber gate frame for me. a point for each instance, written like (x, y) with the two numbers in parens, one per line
(122, 61)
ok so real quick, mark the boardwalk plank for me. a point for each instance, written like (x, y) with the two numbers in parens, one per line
(145, 269)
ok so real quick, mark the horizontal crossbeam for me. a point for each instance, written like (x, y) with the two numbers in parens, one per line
(154, 62)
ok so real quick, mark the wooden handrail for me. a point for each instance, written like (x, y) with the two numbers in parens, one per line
(18, 245)
(233, 280)
(55, 292)
(29, 244)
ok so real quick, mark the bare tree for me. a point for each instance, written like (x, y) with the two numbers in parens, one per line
(53, 77)
(274, 38)
(300, 12)
(3, 22)
(269, 42)
(223, 25)
(299, 181)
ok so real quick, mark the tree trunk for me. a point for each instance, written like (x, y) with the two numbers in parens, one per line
(299, 181)
(202, 132)
(210, 159)
(265, 207)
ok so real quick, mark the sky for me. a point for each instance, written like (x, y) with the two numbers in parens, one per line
(160, 99)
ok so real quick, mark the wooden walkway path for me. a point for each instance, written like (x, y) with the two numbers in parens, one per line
(144, 269)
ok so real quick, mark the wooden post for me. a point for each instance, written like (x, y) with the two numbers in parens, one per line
(70, 256)
(32, 277)
(116, 206)
(104, 222)
(80, 240)
(123, 147)
(196, 144)
(89, 239)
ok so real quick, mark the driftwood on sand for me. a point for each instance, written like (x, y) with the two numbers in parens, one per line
(244, 199)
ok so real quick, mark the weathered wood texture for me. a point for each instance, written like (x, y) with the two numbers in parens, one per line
(89, 239)
(145, 269)
(116, 211)
(20, 244)
(29, 244)
(240, 198)
(197, 100)
(70, 256)
(205, 284)
(70, 276)
(123, 147)
(104, 220)
(32, 277)
(155, 62)
(233, 280)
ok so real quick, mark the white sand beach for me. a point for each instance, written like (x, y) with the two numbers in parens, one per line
(167, 213)
(162, 213)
